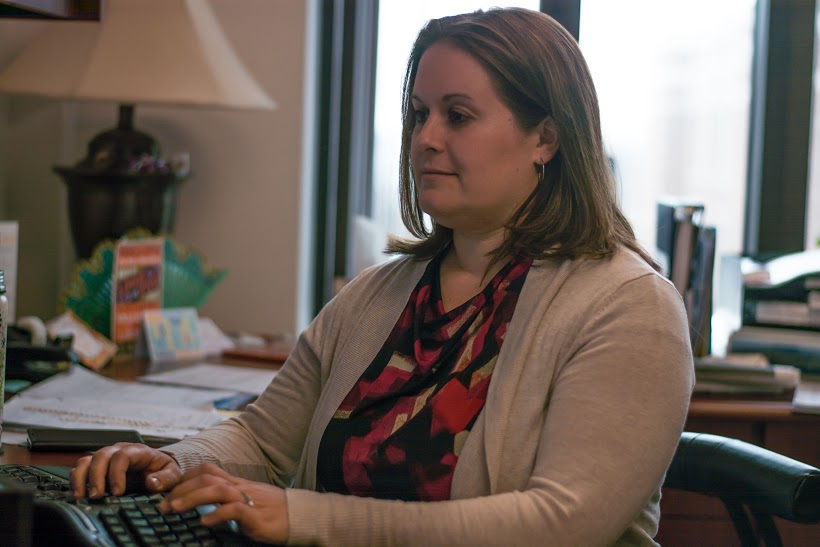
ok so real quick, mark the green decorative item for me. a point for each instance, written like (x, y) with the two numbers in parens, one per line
(187, 282)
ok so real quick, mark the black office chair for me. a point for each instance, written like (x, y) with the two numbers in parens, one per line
(754, 484)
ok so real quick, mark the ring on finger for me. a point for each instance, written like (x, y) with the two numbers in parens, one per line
(247, 499)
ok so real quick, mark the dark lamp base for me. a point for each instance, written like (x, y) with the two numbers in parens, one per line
(106, 206)
(120, 185)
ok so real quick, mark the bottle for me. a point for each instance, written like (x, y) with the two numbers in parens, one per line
(4, 317)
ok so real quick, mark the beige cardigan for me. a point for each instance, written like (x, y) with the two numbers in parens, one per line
(584, 411)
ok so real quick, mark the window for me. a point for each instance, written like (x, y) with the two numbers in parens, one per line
(674, 85)
(674, 88)
(692, 104)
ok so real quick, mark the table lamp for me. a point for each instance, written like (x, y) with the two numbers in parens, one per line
(164, 52)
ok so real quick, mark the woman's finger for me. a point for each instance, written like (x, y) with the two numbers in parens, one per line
(106, 469)
(79, 476)
(98, 471)
(117, 467)
(201, 490)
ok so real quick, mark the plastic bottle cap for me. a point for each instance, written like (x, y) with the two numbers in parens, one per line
(2, 283)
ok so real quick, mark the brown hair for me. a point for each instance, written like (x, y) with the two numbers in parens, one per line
(539, 72)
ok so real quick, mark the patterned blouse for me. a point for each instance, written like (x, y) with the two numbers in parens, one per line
(398, 433)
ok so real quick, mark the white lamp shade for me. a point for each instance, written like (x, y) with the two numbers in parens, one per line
(142, 51)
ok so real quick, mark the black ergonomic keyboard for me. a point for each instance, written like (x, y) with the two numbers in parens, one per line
(111, 521)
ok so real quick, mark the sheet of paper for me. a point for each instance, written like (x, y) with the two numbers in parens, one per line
(82, 383)
(205, 375)
(807, 397)
(14, 437)
(213, 340)
(171, 422)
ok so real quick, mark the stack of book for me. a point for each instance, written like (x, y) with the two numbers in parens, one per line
(807, 396)
(741, 378)
(781, 311)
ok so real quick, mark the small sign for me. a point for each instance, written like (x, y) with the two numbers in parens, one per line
(172, 334)
(137, 285)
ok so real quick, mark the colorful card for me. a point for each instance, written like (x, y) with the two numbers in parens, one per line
(137, 285)
(172, 334)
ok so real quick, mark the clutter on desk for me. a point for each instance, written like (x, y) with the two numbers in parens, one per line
(58, 439)
(807, 397)
(273, 349)
(783, 292)
(80, 398)
(186, 281)
(745, 375)
(136, 285)
(179, 334)
(252, 381)
(92, 348)
(780, 310)
(34, 356)
(171, 334)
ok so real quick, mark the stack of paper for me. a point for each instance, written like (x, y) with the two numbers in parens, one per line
(730, 378)
(807, 396)
(205, 375)
(83, 399)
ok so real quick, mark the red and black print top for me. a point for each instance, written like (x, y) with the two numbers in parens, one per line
(398, 433)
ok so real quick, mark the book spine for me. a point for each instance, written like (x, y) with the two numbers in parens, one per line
(698, 297)
(687, 224)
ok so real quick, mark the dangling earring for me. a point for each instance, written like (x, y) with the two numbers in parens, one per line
(542, 172)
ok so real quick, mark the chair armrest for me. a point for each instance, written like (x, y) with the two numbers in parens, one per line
(763, 480)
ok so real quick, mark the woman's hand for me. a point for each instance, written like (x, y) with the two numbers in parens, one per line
(109, 464)
(260, 510)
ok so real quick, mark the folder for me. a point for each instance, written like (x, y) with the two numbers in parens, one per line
(678, 227)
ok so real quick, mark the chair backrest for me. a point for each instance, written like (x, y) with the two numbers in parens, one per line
(750, 480)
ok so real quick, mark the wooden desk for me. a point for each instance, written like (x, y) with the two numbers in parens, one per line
(687, 518)
(21, 455)
(693, 519)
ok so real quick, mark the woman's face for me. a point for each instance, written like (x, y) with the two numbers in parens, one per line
(472, 164)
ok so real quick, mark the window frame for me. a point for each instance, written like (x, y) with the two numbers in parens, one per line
(780, 128)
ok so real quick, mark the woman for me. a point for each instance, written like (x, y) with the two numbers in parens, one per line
(520, 375)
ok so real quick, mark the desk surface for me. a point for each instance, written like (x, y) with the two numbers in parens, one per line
(21, 455)
(701, 410)
(769, 411)
(126, 368)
